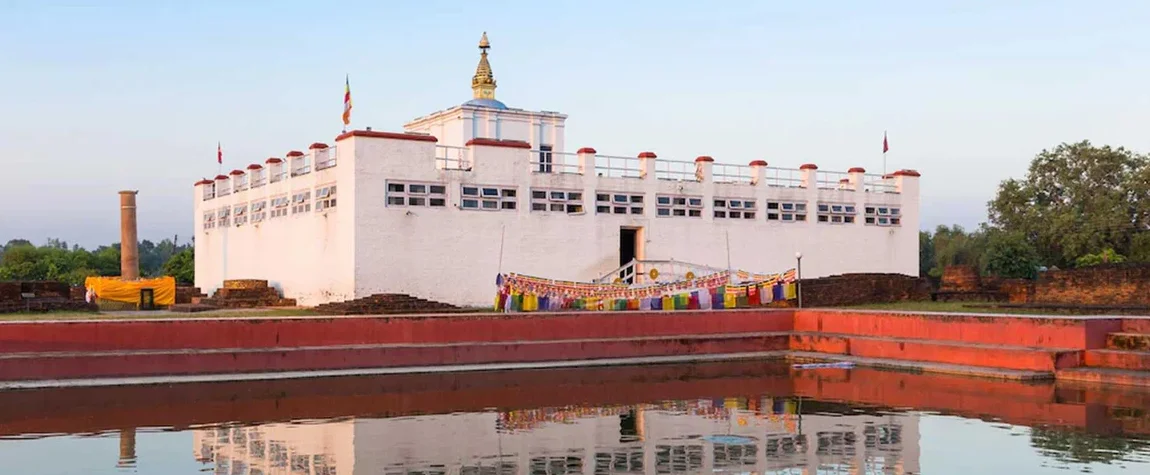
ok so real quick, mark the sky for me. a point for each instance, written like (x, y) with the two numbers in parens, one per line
(135, 95)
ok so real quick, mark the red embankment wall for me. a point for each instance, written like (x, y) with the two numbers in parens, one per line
(186, 362)
(1037, 332)
(298, 332)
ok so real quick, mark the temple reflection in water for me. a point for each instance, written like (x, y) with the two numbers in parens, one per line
(732, 435)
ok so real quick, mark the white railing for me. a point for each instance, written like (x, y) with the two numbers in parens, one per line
(727, 173)
(209, 193)
(833, 180)
(304, 170)
(223, 191)
(241, 186)
(259, 180)
(546, 161)
(878, 184)
(277, 177)
(327, 162)
(676, 170)
(783, 177)
(452, 158)
(618, 167)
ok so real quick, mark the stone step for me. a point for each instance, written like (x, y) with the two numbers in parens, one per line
(936, 351)
(139, 363)
(1120, 359)
(1105, 376)
(1136, 325)
(1128, 341)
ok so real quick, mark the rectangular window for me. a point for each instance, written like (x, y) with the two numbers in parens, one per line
(279, 206)
(836, 213)
(240, 214)
(258, 211)
(557, 201)
(545, 159)
(734, 208)
(301, 202)
(671, 205)
(786, 211)
(222, 217)
(878, 215)
(325, 198)
(489, 198)
(209, 220)
(414, 194)
(609, 202)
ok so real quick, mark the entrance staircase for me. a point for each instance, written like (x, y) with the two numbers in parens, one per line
(385, 304)
(1124, 360)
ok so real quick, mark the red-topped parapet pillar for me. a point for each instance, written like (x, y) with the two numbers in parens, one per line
(129, 253)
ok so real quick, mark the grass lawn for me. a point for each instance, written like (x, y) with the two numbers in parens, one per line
(956, 307)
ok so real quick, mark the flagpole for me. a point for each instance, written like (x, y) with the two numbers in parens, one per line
(884, 147)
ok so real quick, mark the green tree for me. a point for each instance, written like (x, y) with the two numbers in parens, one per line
(1107, 256)
(1075, 200)
(953, 245)
(182, 267)
(925, 253)
(1010, 255)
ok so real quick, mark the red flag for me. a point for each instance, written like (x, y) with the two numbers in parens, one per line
(885, 145)
(219, 154)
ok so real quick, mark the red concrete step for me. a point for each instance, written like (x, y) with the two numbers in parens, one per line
(192, 333)
(1128, 341)
(1105, 376)
(1026, 331)
(101, 364)
(1136, 325)
(936, 351)
(1120, 359)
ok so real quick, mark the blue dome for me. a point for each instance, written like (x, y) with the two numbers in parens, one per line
(488, 103)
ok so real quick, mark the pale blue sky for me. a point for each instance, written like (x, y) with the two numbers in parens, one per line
(134, 95)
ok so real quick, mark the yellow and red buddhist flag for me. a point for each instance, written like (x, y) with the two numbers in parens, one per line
(346, 101)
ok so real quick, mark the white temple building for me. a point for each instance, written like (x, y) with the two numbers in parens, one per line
(462, 194)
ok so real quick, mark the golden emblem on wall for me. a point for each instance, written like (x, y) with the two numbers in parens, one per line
(690, 275)
(654, 274)
(618, 280)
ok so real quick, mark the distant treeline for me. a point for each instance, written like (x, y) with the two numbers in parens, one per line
(1079, 205)
(20, 259)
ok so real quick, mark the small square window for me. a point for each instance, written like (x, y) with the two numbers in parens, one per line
(823, 208)
(788, 217)
(869, 220)
(440, 202)
(695, 213)
(637, 198)
(664, 200)
(602, 209)
(800, 217)
(736, 214)
(696, 202)
(538, 206)
(836, 219)
(557, 207)
(849, 209)
(636, 210)
(848, 219)
(538, 195)
(735, 204)
(574, 208)
(490, 204)
(558, 195)
(869, 210)
(883, 221)
(575, 196)
(788, 206)
(508, 205)
(749, 215)
(748, 205)
(772, 205)
(620, 210)
(417, 189)
(837, 208)
(680, 201)
(602, 197)
(508, 193)
(395, 187)
(664, 212)
(416, 201)
(492, 192)
(679, 212)
(471, 204)
(894, 211)
(623, 199)
(438, 190)
(895, 221)
(470, 191)
(395, 200)
(772, 216)
(823, 218)
(720, 204)
(720, 214)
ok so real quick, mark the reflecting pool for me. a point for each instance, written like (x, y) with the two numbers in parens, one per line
(746, 417)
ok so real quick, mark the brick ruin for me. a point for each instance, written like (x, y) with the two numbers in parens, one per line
(1102, 287)
(860, 289)
(41, 296)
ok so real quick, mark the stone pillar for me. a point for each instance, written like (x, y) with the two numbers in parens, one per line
(129, 254)
(127, 448)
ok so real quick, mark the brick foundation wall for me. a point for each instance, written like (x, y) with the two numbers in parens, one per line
(1119, 284)
(858, 289)
(960, 279)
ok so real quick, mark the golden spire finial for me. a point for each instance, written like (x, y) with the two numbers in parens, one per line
(483, 83)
